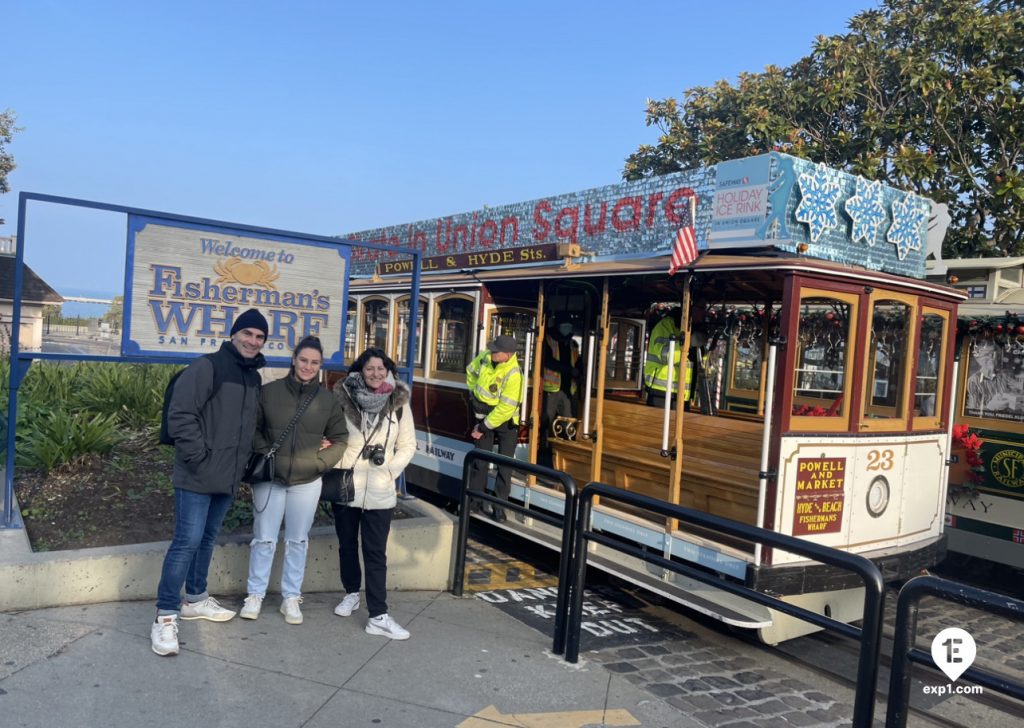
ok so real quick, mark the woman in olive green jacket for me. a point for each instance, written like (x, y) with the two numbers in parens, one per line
(311, 448)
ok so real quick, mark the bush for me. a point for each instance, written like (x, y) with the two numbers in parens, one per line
(134, 393)
(67, 411)
(58, 436)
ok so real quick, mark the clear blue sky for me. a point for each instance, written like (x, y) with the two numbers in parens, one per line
(330, 117)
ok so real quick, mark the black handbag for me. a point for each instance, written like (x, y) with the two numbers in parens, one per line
(337, 486)
(261, 466)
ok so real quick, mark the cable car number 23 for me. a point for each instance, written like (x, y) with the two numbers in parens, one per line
(880, 459)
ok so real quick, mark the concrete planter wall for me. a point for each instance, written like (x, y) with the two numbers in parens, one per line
(419, 557)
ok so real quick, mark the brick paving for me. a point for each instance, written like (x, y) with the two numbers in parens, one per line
(1000, 641)
(717, 685)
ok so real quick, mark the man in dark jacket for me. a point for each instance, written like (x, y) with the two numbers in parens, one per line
(212, 418)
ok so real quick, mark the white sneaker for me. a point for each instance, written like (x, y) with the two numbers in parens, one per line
(385, 626)
(252, 606)
(347, 605)
(164, 635)
(209, 609)
(290, 610)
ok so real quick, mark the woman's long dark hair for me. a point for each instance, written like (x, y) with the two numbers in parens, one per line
(373, 351)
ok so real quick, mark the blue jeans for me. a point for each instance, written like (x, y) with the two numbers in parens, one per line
(296, 505)
(197, 520)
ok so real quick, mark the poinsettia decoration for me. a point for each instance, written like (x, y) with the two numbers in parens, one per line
(970, 444)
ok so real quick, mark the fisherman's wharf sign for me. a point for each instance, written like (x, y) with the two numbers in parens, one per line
(186, 283)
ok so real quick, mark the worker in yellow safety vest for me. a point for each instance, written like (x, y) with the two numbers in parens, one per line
(496, 390)
(561, 371)
(656, 365)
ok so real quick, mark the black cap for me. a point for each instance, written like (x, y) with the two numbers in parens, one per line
(251, 319)
(503, 345)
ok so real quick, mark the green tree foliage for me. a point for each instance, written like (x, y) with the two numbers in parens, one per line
(7, 131)
(925, 95)
(114, 313)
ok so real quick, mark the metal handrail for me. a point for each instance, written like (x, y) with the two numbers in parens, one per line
(904, 652)
(567, 523)
(870, 635)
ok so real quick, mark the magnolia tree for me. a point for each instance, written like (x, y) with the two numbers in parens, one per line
(7, 130)
(925, 95)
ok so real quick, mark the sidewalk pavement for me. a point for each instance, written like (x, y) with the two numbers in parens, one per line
(467, 664)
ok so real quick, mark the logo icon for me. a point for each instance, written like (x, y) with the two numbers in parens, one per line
(1008, 468)
(953, 651)
(257, 273)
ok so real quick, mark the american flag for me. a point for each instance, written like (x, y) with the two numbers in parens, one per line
(684, 248)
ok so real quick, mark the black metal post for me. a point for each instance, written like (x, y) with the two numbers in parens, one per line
(904, 652)
(870, 635)
(567, 525)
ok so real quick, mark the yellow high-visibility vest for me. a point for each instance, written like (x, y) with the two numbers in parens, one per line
(656, 365)
(552, 378)
(499, 385)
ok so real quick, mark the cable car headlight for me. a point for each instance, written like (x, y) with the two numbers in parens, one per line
(878, 496)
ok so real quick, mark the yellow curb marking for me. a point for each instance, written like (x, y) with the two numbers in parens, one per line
(529, 577)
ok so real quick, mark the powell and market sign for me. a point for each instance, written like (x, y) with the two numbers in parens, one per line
(186, 283)
(769, 200)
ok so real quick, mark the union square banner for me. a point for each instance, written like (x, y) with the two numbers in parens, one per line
(187, 282)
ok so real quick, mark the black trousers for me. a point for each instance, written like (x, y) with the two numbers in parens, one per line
(375, 525)
(656, 398)
(506, 435)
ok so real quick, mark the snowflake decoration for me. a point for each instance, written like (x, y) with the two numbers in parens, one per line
(819, 193)
(905, 231)
(866, 210)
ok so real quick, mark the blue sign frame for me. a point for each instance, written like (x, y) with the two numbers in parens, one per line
(334, 350)
(21, 360)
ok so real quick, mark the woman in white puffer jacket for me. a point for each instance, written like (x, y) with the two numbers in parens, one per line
(381, 443)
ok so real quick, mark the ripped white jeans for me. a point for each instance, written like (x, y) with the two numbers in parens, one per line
(296, 506)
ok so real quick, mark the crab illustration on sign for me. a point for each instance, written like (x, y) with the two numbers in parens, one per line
(257, 273)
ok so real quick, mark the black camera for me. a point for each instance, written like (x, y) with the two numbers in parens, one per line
(374, 453)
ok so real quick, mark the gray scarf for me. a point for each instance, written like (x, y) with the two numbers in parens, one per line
(368, 401)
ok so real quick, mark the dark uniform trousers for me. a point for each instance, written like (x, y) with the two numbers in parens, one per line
(506, 435)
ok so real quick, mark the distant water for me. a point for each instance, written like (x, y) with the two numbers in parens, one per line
(86, 310)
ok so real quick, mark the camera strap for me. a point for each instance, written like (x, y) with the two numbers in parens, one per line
(376, 429)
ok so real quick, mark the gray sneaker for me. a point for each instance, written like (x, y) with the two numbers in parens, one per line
(252, 606)
(290, 610)
(164, 635)
(347, 605)
(385, 626)
(209, 609)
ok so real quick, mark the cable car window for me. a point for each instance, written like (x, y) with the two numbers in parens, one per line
(931, 358)
(624, 369)
(888, 363)
(403, 331)
(454, 336)
(514, 323)
(376, 314)
(350, 331)
(824, 344)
